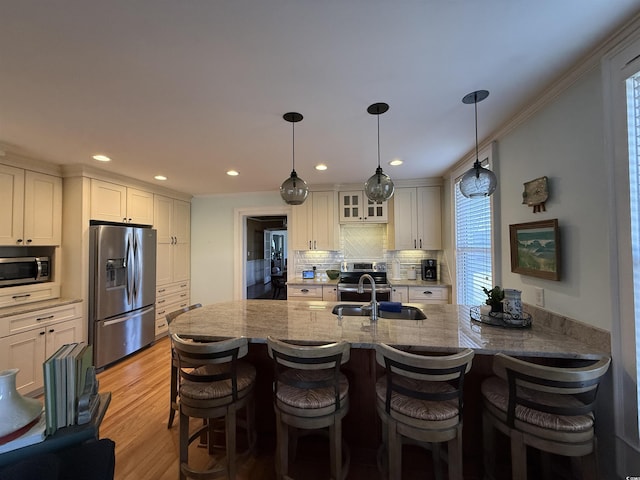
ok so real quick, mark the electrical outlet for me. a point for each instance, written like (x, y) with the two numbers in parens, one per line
(539, 296)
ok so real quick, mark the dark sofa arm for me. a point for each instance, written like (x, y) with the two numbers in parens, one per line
(89, 461)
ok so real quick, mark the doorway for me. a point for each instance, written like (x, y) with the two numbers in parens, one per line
(266, 259)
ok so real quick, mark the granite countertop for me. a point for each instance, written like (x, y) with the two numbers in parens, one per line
(405, 282)
(312, 281)
(36, 306)
(447, 327)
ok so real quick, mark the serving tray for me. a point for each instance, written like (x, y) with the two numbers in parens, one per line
(500, 319)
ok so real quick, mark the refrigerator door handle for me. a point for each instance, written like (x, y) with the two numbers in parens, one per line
(136, 267)
(124, 318)
(130, 269)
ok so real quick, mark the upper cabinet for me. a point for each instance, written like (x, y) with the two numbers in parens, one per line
(356, 207)
(30, 207)
(416, 219)
(314, 223)
(173, 224)
(116, 203)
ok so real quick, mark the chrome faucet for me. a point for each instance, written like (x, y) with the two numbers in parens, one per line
(374, 303)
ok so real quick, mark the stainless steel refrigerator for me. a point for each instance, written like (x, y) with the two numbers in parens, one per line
(122, 290)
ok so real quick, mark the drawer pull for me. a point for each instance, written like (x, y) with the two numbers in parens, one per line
(162, 290)
(183, 285)
(21, 296)
(427, 292)
(183, 295)
(160, 301)
(305, 290)
(45, 318)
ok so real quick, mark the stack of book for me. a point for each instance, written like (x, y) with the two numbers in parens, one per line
(70, 387)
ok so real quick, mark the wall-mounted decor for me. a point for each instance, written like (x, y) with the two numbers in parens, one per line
(535, 249)
(535, 194)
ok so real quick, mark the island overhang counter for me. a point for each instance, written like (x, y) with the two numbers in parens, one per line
(447, 328)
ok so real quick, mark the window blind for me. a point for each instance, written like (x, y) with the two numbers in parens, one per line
(473, 247)
(633, 133)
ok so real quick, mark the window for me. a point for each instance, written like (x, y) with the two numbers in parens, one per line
(473, 252)
(621, 81)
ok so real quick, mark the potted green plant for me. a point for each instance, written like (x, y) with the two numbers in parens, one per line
(494, 298)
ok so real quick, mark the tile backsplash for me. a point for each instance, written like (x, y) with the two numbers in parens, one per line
(366, 243)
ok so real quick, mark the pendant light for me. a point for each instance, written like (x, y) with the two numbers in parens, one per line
(294, 190)
(379, 187)
(478, 181)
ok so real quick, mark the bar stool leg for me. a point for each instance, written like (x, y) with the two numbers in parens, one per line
(230, 433)
(488, 446)
(282, 447)
(173, 393)
(395, 451)
(335, 449)
(518, 456)
(455, 456)
(184, 444)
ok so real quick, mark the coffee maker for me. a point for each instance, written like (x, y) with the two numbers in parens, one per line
(429, 269)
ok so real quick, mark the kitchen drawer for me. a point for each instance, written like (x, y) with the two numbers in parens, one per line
(171, 289)
(27, 321)
(36, 292)
(303, 292)
(429, 294)
(175, 298)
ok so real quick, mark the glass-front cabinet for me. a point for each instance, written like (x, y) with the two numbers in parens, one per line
(356, 207)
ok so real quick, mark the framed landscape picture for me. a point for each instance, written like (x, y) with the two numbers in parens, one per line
(535, 249)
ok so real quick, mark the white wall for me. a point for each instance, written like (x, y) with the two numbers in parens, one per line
(212, 242)
(563, 141)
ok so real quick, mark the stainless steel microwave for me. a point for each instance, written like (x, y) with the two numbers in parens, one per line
(21, 270)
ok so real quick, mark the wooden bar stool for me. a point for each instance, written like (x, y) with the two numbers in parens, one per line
(419, 400)
(548, 408)
(173, 387)
(214, 384)
(310, 393)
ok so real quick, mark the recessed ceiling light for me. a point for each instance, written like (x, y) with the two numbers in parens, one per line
(395, 162)
(160, 177)
(101, 158)
(321, 166)
(232, 173)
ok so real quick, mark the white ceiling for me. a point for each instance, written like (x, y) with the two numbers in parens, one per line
(192, 88)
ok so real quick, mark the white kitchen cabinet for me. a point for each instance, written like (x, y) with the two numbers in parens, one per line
(30, 207)
(170, 298)
(304, 292)
(435, 295)
(172, 220)
(27, 340)
(355, 207)
(400, 294)
(416, 219)
(330, 293)
(314, 223)
(118, 203)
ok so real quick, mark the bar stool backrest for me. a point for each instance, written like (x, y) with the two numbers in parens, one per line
(431, 368)
(580, 381)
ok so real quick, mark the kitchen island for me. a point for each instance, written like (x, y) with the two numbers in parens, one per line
(447, 328)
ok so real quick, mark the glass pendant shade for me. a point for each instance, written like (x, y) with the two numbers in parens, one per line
(477, 181)
(379, 187)
(294, 190)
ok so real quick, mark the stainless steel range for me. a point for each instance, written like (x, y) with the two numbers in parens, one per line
(350, 274)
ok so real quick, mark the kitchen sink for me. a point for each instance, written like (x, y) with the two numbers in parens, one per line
(353, 310)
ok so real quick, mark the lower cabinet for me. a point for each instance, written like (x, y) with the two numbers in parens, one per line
(27, 340)
(400, 294)
(435, 295)
(304, 292)
(169, 298)
(330, 293)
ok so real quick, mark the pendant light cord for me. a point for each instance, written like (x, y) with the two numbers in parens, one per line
(293, 145)
(378, 139)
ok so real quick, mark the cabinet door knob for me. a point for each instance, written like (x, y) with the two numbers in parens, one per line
(420, 243)
(29, 240)
(41, 333)
(414, 244)
(19, 240)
